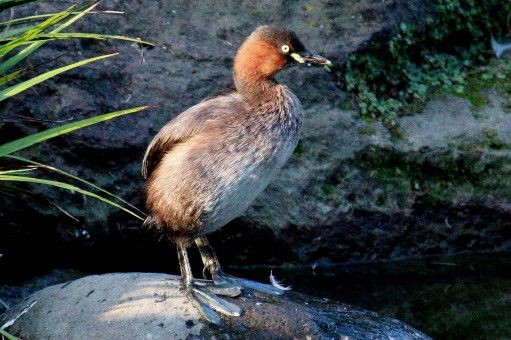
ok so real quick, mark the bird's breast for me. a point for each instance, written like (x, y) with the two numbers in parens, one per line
(253, 153)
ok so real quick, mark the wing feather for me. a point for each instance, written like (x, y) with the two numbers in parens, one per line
(182, 127)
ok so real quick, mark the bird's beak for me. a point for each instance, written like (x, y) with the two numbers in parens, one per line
(309, 58)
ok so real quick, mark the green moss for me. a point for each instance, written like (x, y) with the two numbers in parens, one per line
(395, 182)
(490, 139)
(438, 176)
(495, 75)
(493, 141)
(367, 130)
(473, 92)
(398, 75)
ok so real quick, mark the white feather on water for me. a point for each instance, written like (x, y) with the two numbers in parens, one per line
(275, 283)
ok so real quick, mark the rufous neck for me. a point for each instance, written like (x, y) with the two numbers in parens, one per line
(255, 65)
(255, 91)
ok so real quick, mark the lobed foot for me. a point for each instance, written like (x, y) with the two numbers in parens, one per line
(223, 279)
(223, 289)
(204, 298)
(203, 294)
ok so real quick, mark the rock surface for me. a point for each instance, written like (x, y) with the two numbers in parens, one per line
(151, 306)
(350, 192)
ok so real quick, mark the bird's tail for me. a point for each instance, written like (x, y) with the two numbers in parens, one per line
(156, 227)
(149, 222)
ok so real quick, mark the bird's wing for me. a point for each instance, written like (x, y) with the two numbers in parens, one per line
(175, 131)
(182, 127)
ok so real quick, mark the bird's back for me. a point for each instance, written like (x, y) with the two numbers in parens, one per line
(207, 165)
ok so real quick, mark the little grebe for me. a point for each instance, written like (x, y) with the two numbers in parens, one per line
(207, 165)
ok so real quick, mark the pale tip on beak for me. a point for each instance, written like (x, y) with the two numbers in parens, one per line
(310, 59)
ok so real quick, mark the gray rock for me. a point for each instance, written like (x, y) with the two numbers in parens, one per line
(151, 306)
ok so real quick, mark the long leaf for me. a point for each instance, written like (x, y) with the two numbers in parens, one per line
(20, 87)
(79, 35)
(24, 53)
(28, 19)
(12, 32)
(65, 173)
(38, 29)
(8, 336)
(11, 76)
(67, 187)
(15, 171)
(38, 137)
(25, 20)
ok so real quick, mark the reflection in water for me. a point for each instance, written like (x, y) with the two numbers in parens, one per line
(451, 297)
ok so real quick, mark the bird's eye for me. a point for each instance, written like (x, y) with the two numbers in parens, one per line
(284, 48)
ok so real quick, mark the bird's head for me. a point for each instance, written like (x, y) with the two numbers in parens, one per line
(268, 50)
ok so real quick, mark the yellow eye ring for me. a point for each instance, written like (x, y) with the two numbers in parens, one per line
(284, 48)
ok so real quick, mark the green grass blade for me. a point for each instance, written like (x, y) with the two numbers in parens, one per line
(66, 186)
(11, 76)
(7, 335)
(15, 171)
(12, 32)
(64, 173)
(20, 56)
(79, 35)
(81, 12)
(14, 60)
(25, 20)
(18, 88)
(39, 17)
(4, 4)
(35, 31)
(38, 137)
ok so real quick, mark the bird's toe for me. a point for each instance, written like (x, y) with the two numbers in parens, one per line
(256, 286)
(217, 303)
(219, 288)
(206, 312)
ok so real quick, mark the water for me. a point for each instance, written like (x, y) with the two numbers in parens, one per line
(446, 297)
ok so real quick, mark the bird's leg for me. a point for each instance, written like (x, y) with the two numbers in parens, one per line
(212, 264)
(209, 259)
(202, 299)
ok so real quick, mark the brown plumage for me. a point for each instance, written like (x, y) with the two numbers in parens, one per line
(208, 164)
